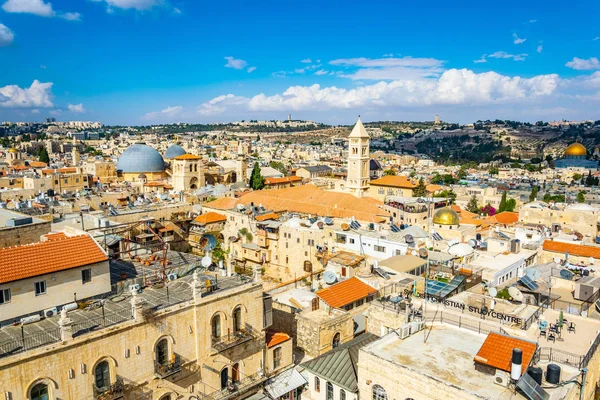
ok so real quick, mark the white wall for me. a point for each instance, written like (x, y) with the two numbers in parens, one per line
(312, 394)
(368, 246)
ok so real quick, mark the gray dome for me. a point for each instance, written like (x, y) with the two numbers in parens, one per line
(140, 158)
(174, 151)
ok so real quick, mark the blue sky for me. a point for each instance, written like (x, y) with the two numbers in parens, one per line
(158, 61)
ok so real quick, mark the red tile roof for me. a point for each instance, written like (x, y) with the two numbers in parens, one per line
(496, 351)
(573, 249)
(57, 253)
(209, 218)
(285, 179)
(275, 338)
(505, 217)
(188, 157)
(345, 292)
(393, 181)
(267, 216)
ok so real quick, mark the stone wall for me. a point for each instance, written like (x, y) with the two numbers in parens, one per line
(316, 329)
(25, 234)
(284, 320)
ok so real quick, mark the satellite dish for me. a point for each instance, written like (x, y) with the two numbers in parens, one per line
(206, 261)
(533, 274)
(473, 243)
(320, 225)
(409, 238)
(328, 221)
(566, 274)
(493, 292)
(515, 294)
(557, 260)
(345, 227)
(423, 252)
(414, 253)
(591, 260)
(329, 277)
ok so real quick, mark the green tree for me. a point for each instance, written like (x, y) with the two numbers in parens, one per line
(534, 193)
(493, 171)
(581, 196)
(462, 173)
(44, 157)
(420, 190)
(279, 166)
(473, 206)
(502, 206)
(447, 194)
(511, 204)
(389, 172)
(577, 177)
(257, 182)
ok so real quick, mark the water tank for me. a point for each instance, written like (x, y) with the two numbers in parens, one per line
(536, 373)
(553, 374)
(478, 236)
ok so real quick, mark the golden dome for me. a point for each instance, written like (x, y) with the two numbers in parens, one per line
(576, 149)
(446, 216)
(13, 150)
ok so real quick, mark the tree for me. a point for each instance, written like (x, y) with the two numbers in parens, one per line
(279, 166)
(389, 172)
(577, 177)
(493, 171)
(534, 193)
(44, 157)
(257, 182)
(462, 173)
(420, 190)
(502, 206)
(581, 196)
(473, 206)
(511, 204)
(447, 194)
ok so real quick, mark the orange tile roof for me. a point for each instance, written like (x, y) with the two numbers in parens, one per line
(496, 351)
(432, 188)
(154, 184)
(54, 236)
(275, 338)
(53, 255)
(285, 179)
(19, 167)
(308, 199)
(393, 181)
(210, 218)
(38, 164)
(573, 249)
(188, 157)
(267, 216)
(505, 217)
(345, 292)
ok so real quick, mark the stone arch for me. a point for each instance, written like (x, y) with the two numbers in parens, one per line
(170, 345)
(50, 383)
(112, 363)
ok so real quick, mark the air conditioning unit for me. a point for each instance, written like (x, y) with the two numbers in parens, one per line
(172, 277)
(51, 312)
(502, 378)
(135, 287)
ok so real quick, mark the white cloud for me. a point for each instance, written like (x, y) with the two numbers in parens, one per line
(35, 111)
(532, 21)
(39, 8)
(389, 68)
(76, 108)
(250, 69)
(37, 95)
(518, 40)
(596, 38)
(540, 48)
(43, 66)
(582, 64)
(235, 63)
(321, 72)
(167, 112)
(453, 87)
(300, 70)
(6, 35)
(138, 5)
(481, 60)
(306, 61)
(388, 55)
(504, 54)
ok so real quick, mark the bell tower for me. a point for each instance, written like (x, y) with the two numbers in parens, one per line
(358, 160)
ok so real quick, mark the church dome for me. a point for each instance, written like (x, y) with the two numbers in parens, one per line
(13, 150)
(576, 149)
(174, 151)
(140, 158)
(446, 216)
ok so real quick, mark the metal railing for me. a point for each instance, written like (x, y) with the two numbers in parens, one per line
(169, 368)
(534, 317)
(246, 334)
(555, 355)
(29, 341)
(467, 323)
(111, 392)
(234, 389)
(109, 319)
(591, 352)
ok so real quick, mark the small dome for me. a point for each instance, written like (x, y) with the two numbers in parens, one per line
(576, 149)
(446, 216)
(140, 158)
(13, 150)
(174, 151)
(142, 176)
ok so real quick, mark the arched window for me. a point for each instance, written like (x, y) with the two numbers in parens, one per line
(191, 167)
(237, 319)
(39, 392)
(336, 340)
(162, 352)
(166, 397)
(317, 384)
(102, 375)
(235, 372)
(379, 393)
(215, 325)
(342, 394)
(224, 377)
(329, 393)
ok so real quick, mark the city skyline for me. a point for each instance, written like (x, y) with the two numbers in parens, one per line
(152, 61)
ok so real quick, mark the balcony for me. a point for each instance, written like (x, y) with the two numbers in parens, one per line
(112, 392)
(236, 389)
(232, 339)
(165, 370)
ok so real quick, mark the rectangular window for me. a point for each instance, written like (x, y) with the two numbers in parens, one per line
(297, 240)
(360, 303)
(40, 288)
(86, 276)
(380, 249)
(351, 241)
(276, 358)
(4, 296)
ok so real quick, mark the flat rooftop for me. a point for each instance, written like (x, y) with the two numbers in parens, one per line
(6, 215)
(448, 349)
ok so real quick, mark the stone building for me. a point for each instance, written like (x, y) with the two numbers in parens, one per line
(358, 160)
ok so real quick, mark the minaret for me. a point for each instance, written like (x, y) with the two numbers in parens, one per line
(358, 160)
(75, 153)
